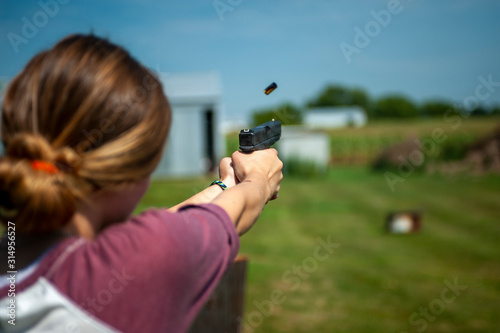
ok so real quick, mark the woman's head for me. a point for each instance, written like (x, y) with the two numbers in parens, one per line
(90, 109)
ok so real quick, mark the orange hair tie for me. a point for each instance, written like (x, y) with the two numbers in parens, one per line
(44, 166)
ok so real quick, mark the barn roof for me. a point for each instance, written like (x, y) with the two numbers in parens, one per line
(192, 87)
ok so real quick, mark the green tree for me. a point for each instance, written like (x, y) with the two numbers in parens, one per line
(435, 108)
(360, 97)
(480, 111)
(495, 110)
(337, 95)
(333, 95)
(395, 106)
(287, 113)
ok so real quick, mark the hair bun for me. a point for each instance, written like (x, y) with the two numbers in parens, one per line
(36, 147)
(29, 146)
(35, 201)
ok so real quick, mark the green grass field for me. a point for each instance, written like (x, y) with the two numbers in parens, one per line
(372, 282)
(445, 278)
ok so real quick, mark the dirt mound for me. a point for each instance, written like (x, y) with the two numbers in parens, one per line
(482, 157)
(408, 151)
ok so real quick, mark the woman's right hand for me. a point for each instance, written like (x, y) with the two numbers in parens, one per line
(262, 166)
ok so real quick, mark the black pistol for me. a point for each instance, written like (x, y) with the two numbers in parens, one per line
(260, 137)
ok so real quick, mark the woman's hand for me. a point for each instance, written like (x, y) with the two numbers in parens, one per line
(258, 175)
(259, 166)
(252, 179)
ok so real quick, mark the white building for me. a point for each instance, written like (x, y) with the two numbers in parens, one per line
(335, 117)
(195, 141)
(298, 143)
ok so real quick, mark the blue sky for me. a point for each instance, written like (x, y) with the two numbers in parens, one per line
(425, 49)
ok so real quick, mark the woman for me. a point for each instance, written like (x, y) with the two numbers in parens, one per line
(84, 126)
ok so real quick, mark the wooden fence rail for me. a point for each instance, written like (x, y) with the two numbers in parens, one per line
(223, 312)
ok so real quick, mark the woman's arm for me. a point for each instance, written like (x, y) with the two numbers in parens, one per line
(226, 175)
(252, 179)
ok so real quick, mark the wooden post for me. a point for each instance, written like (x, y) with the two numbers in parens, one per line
(223, 312)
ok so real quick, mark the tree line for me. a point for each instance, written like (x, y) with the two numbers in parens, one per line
(392, 106)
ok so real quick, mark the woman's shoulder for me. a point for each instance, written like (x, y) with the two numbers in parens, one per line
(157, 259)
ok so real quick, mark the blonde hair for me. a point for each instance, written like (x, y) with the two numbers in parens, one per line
(90, 109)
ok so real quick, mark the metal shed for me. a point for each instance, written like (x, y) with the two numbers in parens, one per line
(195, 142)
